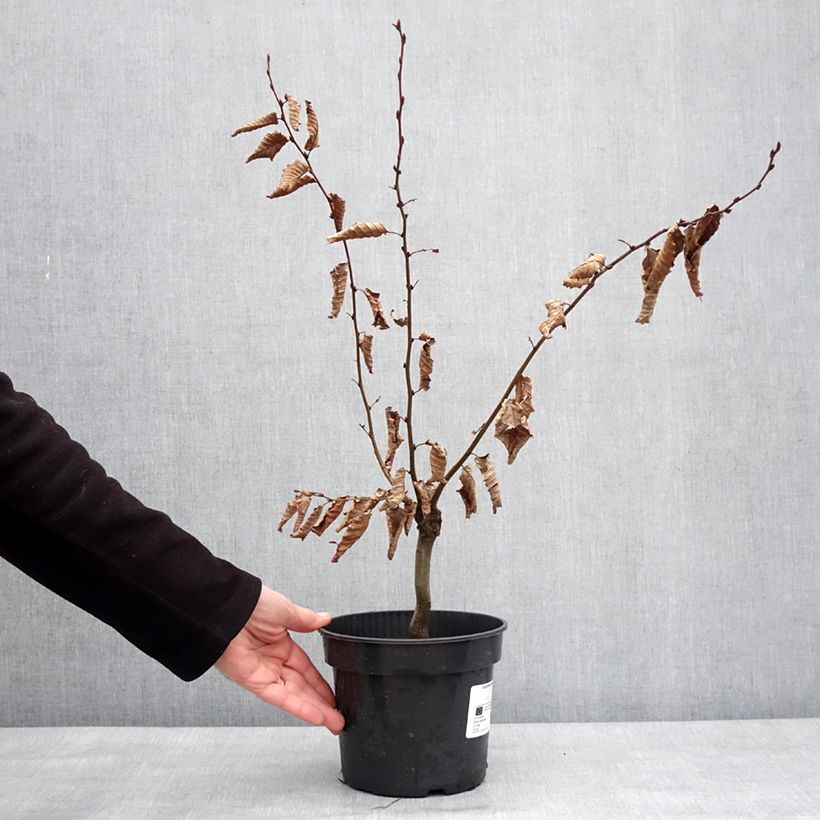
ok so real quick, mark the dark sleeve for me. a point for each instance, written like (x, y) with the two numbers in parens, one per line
(69, 526)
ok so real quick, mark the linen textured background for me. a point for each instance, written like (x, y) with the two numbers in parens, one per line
(657, 553)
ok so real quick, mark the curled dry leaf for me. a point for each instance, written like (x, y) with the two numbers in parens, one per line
(294, 176)
(309, 523)
(366, 346)
(395, 526)
(397, 490)
(695, 237)
(511, 425)
(555, 318)
(337, 211)
(360, 504)
(293, 111)
(376, 306)
(467, 491)
(268, 119)
(333, 512)
(394, 439)
(672, 246)
(438, 460)
(399, 519)
(399, 321)
(356, 528)
(487, 468)
(291, 509)
(312, 127)
(426, 361)
(425, 489)
(410, 510)
(269, 147)
(583, 274)
(358, 230)
(297, 506)
(648, 263)
(339, 278)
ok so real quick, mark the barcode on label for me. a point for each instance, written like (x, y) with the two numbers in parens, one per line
(478, 712)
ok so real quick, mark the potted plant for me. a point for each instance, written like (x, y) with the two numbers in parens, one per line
(415, 686)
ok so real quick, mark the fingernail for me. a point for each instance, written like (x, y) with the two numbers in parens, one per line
(324, 614)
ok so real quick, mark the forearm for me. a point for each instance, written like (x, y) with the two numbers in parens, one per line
(65, 523)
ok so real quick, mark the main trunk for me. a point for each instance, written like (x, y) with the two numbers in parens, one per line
(429, 528)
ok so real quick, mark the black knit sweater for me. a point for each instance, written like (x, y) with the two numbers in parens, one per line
(66, 524)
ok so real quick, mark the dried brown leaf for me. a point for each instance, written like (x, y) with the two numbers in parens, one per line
(425, 489)
(366, 346)
(270, 146)
(394, 438)
(397, 490)
(438, 460)
(302, 504)
(339, 278)
(523, 394)
(695, 237)
(290, 510)
(268, 119)
(376, 306)
(487, 469)
(410, 510)
(348, 514)
(583, 274)
(396, 517)
(358, 230)
(691, 259)
(511, 425)
(333, 512)
(312, 127)
(294, 176)
(337, 211)
(672, 246)
(648, 263)
(293, 111)
(309, 523)
(360, 504)
(356, 528)
(400, 321)
(467, 491)
(555, 318)
(426, 361)
(513, 438)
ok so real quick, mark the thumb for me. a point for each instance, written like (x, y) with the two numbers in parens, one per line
(300, 619)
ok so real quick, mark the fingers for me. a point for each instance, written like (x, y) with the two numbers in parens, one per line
(293, 702)
(299, 661)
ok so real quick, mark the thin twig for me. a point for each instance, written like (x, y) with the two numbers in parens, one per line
(401, 205)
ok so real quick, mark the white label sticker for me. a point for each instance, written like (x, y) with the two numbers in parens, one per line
(478, 714)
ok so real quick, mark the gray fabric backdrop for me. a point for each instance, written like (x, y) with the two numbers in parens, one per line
(657, 552)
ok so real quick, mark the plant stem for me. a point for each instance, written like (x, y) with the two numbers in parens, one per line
(429, 529)
(369, 429)
(408, 285)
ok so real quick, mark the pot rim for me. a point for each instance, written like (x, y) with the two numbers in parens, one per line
(467, 636)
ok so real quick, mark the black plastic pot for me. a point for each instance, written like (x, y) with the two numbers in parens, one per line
(417, 711)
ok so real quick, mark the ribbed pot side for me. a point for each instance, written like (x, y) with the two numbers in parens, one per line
(417, 711)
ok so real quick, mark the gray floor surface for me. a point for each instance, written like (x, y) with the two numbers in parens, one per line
(722, 769)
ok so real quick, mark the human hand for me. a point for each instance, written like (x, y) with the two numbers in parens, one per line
(264, 659)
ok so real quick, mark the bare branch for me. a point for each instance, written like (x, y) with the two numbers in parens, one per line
(535, 348)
